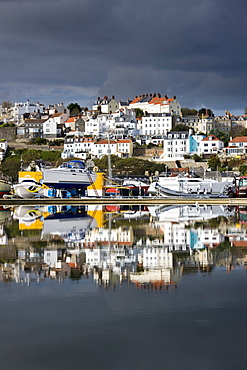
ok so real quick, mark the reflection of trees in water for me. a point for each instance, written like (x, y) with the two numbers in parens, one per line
(213, 223)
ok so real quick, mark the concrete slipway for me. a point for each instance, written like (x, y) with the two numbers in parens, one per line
(129, 201)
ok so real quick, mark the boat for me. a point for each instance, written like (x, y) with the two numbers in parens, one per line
(28, 189)
(5, 187)
(69, 175)
(128, 188)
(225, 192)
(187, 186)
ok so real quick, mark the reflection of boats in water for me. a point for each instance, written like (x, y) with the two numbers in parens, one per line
(177, 213)
(132, 211)
(70, 223)
(5, 213)
(72, 174)
(28, 214)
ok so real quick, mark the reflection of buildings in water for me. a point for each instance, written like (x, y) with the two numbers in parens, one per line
(202, 238)
(5, 214)
(157, 257)
(15, 272)
(78, 239)
(3, 235)
(156, 278)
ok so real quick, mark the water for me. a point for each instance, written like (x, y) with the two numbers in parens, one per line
(168, 292)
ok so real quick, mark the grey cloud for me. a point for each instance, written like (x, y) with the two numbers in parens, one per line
(128, 47)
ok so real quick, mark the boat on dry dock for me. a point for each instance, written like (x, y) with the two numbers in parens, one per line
(190, 187)
(69, 175)
(5, 187)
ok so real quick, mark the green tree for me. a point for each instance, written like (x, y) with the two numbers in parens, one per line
(10, 167)
(188, 112)
(220, 135)
(74, 109)
(243, 169)
(180, 127)
(207, 111)
(128, 166)
(214, 163)
(139, 113)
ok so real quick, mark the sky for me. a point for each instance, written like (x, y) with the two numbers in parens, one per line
(64, 51)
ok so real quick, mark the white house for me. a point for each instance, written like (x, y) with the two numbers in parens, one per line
(211, 145)
(53, 127)
(3, 148)
(120, 148)
(176, 145)
(237, 146)
(106, 105)
(153, 103)
(20, 108)
(78, 147)
(83, 147)
(155, 124)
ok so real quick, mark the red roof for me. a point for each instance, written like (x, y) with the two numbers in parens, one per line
(212, 138)
(105, 141)
(239, 139)
(57, 115)
(136, 100)
(124, 141)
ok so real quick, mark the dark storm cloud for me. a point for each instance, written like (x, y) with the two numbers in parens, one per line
(79, 49)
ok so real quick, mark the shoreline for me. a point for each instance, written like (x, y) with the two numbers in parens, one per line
(123, 201)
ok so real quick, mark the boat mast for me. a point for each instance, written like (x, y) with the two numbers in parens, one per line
(109, 157)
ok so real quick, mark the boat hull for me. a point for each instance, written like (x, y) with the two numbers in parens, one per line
(5, 188)
(63, 179)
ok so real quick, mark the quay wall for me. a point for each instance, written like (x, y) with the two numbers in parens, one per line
(121, 201)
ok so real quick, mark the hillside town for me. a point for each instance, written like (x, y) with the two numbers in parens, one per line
(119, 127)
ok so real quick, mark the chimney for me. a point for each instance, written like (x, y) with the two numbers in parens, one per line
(159, 96)
(174, 97)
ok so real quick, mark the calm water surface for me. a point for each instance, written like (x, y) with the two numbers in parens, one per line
(166, 294)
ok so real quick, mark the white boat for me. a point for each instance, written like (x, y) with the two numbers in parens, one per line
(187, 185)
(28, 189)
(69, 175)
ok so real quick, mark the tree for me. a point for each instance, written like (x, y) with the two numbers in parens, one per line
(139, 113)
(188, 112)
(206, 111)
(220, 135)
(74, 109)
(6, 105)
(128, 166)
(214, 163)
(243, 169)
(180, 127)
